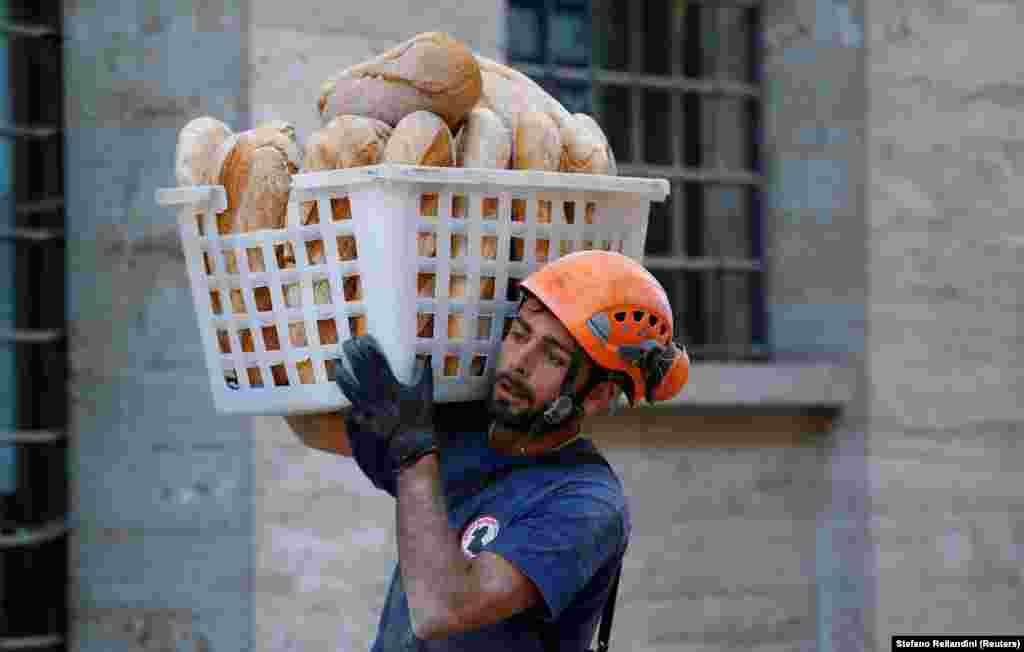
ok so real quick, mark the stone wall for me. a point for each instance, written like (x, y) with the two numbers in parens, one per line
(161, 552)
(946, 156)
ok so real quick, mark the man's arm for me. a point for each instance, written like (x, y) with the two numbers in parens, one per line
(326, 431)
(448, 593)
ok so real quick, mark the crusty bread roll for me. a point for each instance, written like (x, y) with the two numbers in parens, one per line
(483, 142)
(510, 94)
(538, 146)
(256, 171)
(590, 123)
(538, 143)
(197, 152)
(421, 138)
(584, 151)
(347, 141)
(429, 72)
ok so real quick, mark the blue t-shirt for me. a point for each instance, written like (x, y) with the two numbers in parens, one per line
(565, 526)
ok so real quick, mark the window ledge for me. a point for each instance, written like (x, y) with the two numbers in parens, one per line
(802, 384)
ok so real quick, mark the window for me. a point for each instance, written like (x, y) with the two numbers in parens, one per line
(676, 86)
(33, 473)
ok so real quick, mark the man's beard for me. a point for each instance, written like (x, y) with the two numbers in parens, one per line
(502, 410)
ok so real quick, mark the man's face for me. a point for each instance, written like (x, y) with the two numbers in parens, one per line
(535, 357)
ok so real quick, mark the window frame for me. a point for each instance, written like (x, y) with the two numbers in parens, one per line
(711, 271)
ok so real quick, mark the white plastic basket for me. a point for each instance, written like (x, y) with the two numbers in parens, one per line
(382, 283)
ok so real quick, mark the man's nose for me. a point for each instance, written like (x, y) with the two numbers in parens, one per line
(521, 361)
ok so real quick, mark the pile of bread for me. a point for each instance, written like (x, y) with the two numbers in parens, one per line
(428, 101)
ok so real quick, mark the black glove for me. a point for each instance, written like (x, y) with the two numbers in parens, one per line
(400, 416)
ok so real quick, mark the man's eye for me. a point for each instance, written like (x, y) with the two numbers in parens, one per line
(556, 360)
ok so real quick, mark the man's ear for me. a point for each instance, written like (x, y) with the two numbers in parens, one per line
(600, 398)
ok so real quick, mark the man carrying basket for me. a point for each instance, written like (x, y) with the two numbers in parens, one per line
(511, 527)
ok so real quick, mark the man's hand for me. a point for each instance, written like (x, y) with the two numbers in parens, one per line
(400, 416)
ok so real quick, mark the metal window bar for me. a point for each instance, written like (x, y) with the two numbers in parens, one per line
(31, 642)
(712, 257)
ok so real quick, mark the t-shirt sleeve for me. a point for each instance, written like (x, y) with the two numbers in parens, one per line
(562, 542)
(371, 457)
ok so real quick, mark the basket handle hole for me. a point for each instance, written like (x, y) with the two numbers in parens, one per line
(248, 346)
(489, 247)
(489, 208)
(456, 326)
(284, 253)
(541, 250)
(478, 365)
(357, 325)
(518, 210)
(321, 292)
(280, 375)
(428, 204)
(341, 209)
(426, 284)
(425, 325)
(516, 249)
(458, 206)
(256, 262)
(352, 287)
(297, 334)
(569, 211)
(347, 248)
(223, 341)
(458, 249)
(451, 365)
(315, 252)
(426, 245)
(261, 295)
(305, 369)
(483, 327)
(457, 286)
(237, 302)
(512, 292)
(255, 377)
(270, 338)
(487, 288)
(327, 331)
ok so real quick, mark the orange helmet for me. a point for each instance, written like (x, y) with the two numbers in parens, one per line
(620, 315)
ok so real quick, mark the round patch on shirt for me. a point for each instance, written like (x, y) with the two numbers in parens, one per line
(478, 534)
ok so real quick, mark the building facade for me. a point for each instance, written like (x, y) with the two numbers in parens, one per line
(839, 469)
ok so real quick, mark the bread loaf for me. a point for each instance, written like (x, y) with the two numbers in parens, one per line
(199, 143)
(421, 138)
(584, 151)
(483, 142)
(347, 141)
(590, 123)
(256, 171)
(538, 146)
(511, 94)
(429, 72)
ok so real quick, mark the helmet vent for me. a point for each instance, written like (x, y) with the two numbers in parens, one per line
(653, 321)
(620, 316)
(638, 315)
